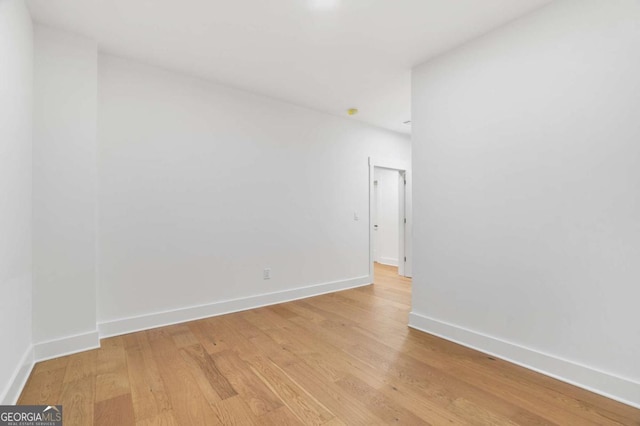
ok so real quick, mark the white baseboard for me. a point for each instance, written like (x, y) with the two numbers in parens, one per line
(606, 384)
(66, 346)
(387, 261)
(159, 319)
(18, 379)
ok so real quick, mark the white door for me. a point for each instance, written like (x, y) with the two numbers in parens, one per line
(386, 216)
(374, 220)
(402, 219)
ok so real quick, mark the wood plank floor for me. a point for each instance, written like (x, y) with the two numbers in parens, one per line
(346, 358)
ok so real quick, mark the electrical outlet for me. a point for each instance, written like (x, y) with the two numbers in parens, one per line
(266, 274)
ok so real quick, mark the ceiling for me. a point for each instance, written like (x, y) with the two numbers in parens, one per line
(329, 55)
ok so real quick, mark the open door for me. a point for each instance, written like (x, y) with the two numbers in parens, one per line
(388, 217)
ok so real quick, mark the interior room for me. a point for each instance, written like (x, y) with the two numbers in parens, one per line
(320, 212)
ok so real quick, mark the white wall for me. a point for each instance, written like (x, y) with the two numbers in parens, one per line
(64, 192)
(203, 186)
(526, 200)
(16, 85)
(386, 236)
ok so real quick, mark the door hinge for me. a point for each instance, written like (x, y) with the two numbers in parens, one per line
(405, 220)
(405, 258)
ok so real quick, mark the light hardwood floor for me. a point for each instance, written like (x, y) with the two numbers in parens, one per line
(346, 358)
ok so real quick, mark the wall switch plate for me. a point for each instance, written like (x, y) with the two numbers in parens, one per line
(355, 216)
(266, 274)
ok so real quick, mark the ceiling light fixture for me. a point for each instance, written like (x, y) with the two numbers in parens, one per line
(324, 4)
(352, 111)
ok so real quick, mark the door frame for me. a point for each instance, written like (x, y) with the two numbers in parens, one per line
(404, 208)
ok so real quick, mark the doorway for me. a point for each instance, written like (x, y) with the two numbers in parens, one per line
(389, 236)
(387, 226)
